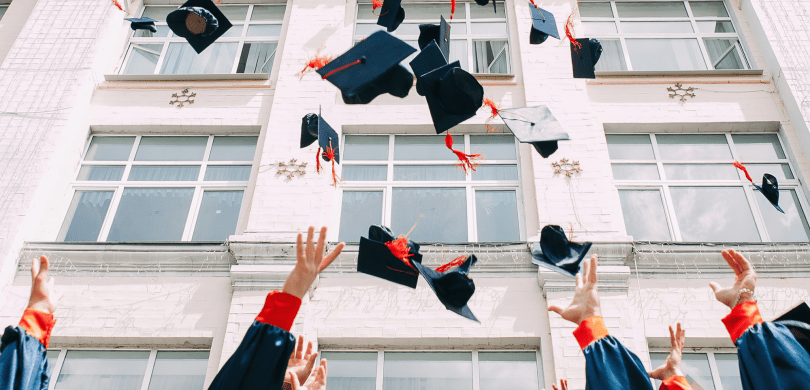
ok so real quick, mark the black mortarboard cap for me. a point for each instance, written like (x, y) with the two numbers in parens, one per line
(585, 58)
(428, 59)
(391, 14)
(370, 69)
(200, 22)
(534, 125)
(770, 188)
(797, 320)
(375, 259)
(440, 33)
(143, 23)
(555, 252)
(453, 95)
(453, 288)
(543, 25)
(314, 127)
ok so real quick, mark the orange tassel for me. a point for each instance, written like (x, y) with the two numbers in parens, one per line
(458, 261)
(742, 168)
(466, 161)
(493, 113)
(314, 63)
(376, 4)
(452, 8)
(318, 161)
(399, 248)
(569, 32)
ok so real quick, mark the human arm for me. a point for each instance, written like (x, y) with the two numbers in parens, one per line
(670, 372)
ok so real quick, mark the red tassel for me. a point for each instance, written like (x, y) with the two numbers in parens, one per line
(318, 161)
(742, 168)
(399, 248)
(453, 263)
(330, 155)
(315, 63)
(532, 1)
(117, 4)
(493, 113)
(569, 32)
(452, 8)
(466, 161)
(377, 4)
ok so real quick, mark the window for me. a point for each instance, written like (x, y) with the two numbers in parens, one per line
(707, 371)
(666, 35)
(395, 180)
(159, 188)
(683, 187)
(128, 370)
(3, 9)
(457, 370)
(479, 37)
(247, 47)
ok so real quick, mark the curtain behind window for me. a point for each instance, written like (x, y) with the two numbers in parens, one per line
(182, 59)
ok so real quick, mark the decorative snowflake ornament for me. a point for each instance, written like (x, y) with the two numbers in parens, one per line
(183, 98)
(569, 168)
(291, 168)
(680, 92)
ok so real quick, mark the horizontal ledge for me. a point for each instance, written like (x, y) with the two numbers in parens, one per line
(186, 77)
(660, 73)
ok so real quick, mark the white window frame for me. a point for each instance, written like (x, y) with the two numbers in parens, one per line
(199, 185)
(718, 385)
(664, 185)
(471, 186)
(150, 365)
(475, 370)
(710, 65)
(462, 10)
(241, 40)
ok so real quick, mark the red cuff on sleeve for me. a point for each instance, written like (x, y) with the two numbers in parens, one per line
(742, 317)
(590, 330)
(675, 382)
(279, 310)
(38, 324)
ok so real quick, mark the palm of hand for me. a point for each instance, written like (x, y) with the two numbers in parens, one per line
(42, 297)
(745, 280)
(586, 299)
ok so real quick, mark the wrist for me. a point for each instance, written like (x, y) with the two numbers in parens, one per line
(44, 307)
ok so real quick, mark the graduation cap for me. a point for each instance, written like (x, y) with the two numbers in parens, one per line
(376, 257)
(543, 25)
(439, 33)
(314, 127)
(428, 59)
(797, 320)
(391, 14)
(453, 95)
(453, 288)
(143, 23)
(371, 68)
(769, 187)
(200, 22)
(585, 54)
(534, 125)
(555, 252)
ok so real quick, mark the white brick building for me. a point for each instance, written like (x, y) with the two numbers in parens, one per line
(166, 247)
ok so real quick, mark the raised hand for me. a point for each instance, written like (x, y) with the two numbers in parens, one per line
(563, 385)
(316, 380)
(301, 363)
(311, 262)
(743, 288)
(43, 297)
(672, 366)
(586, 296)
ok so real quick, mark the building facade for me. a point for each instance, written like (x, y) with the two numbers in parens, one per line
(167, 188)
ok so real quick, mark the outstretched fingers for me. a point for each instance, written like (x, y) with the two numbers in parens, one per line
(732, 262)
(310, 250)
(592, 275)
(742, 263)
(331, 256)
(320, 247)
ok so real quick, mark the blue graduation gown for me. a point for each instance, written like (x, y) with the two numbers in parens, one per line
(23, 361)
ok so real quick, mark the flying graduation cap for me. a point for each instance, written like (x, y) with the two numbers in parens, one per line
(314, 127)
(534, 125)
(143, 23)
(454, 288)
(391, 14)
(556, 253)
(430, 58)
(370, 69)
(200, 22)
(585, 54)
(385, 257)
(769, 187)
(543, 25)
(439, 33)
(453, 95)
(797, 320)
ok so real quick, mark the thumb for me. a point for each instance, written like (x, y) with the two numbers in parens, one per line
(293, 379)
(34, 268)
(715, 287)
(555, 309)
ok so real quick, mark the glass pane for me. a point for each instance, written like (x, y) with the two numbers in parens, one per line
(635, 172)
(695, 366)
(458, 28)
(788, 227)
(219, 212)
(719, 54)
(366, 29)
(51, 356)
(596, 10)
(458, 52)
(715, 26)
(407, 29)
(182, 59)
(714, 214)
(700, 172)
(438, 207)
(365, 147)
(428, 370)
(179, 371)
(612, 56)
(656, 27)
(644, 215)
(142, 59)
(264, 30)
(103, 370)
(157, 12)
(101, 172)
(729, 369)
(429, 12)
(268, 12)
(630, 147)
(494, 147)
(351, 370)
(162, 31)
(597, 28)
(360, 209)
(427, 173)
(496, 215)
(651, 10)
(685, 147)
(708, 8)
(86, 215)
(489, 28)
(233, 149)
(495, 172)
(665, 54)
(758, 147)
(151, 214)
(478, 12)
(171, 149)
(234, 12)
(164, 173)
(109, 149)
(257, 57)
(779, 171)
(364, 172)
(227, 173)
(491, 57)
(234, 32)
(417, 147)
(507, 370)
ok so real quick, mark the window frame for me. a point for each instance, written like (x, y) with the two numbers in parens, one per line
(718, 385)
(470, 186)
(696, 34)
(200, 186)
(664, 185)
